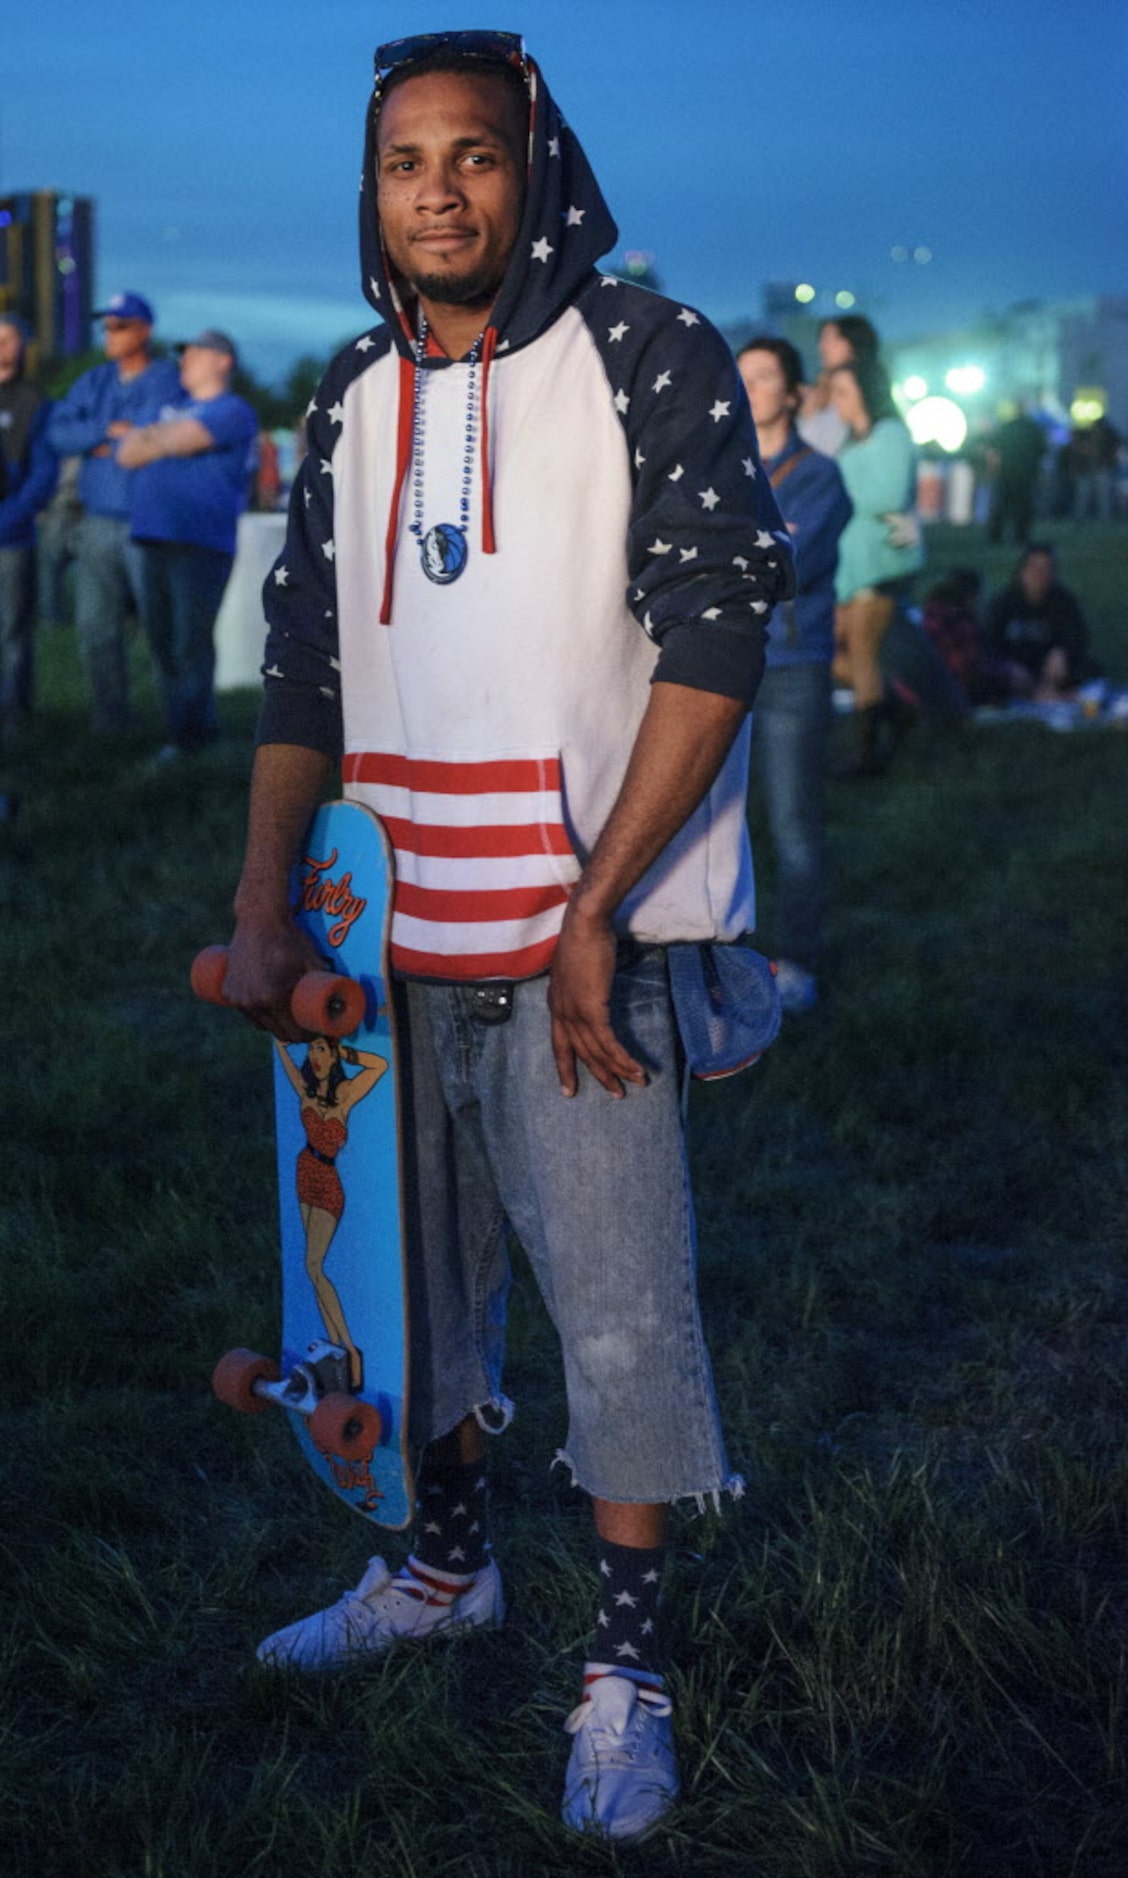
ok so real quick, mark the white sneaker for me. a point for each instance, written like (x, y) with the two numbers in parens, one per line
(382, 1611)
(798, 988)
(622, 1776)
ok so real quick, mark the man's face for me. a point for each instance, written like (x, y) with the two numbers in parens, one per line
(1037, 577)
(765, 381)
(124, 339)
(11, 346)
(203, 371)
(451, 184)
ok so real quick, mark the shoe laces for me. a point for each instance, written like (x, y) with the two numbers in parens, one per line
(610, 1704)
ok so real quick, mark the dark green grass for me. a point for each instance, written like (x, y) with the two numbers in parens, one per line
(903, 1652)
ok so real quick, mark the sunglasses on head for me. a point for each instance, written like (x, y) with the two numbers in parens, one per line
(497, 48)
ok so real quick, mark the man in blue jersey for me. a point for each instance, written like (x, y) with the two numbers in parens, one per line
(191, 477)
(96, 413)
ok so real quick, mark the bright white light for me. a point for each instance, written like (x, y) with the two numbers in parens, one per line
(845, 300)
(915, 388)
(966, 379)
(804, 293)
(937, 420)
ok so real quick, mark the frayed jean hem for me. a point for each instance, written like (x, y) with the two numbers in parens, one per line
(734, 1486)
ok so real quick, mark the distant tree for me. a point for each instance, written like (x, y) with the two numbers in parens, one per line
(300, 384)
(268, 404)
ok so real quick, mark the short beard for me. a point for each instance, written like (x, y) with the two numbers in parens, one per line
(476, 289)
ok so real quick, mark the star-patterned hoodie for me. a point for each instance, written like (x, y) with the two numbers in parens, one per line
(621, 530)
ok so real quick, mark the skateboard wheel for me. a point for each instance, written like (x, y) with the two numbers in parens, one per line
(345, 1425)
(209, 968)
(327, 1003)
(234, 1378)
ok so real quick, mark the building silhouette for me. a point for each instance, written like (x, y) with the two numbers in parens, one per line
(47, 269)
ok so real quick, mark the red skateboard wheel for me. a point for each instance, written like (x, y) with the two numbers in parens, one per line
(345, 1425)
(327, 1003)
(209, 969)
(234, 1378)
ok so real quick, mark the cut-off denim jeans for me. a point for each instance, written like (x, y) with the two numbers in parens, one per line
(597, 1191)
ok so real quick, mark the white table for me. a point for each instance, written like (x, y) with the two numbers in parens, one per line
(240, 629)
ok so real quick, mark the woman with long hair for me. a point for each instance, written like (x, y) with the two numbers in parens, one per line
(879, 552)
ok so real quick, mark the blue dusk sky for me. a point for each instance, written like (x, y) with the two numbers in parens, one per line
(736, 142)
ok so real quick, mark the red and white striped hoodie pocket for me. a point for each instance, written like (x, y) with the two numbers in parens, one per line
(484, 860)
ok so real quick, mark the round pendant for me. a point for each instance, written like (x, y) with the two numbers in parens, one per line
(443, 553)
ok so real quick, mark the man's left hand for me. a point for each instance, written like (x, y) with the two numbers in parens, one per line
(579, 1000)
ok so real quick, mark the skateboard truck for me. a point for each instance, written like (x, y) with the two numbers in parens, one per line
(324, 1371)
(340, 1424)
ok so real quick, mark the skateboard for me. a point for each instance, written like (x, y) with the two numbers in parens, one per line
(342, 1378)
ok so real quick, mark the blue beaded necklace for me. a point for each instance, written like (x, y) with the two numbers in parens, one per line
(443, 548)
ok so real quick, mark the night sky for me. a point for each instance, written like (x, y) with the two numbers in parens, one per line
(737, 142)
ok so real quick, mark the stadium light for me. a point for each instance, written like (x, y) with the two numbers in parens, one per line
(804, 293)
(937, 420)
(915, 388)
(966, 379)
(1088, 405)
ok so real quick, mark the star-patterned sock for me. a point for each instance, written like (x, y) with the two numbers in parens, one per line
(626, 1636)
(451, 1510)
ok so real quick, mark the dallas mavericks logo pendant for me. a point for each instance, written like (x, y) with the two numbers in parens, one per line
(443, 553)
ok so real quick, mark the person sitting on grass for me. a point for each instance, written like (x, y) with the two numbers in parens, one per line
(950, 621)
(1038, 625)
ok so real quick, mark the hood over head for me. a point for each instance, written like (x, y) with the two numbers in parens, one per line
(565, 227)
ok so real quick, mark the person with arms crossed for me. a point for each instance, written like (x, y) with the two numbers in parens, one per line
(192, 476)
(100, 407)
(529, 557)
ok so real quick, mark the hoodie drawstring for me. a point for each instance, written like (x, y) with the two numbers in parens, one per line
(405, 446)
(489, 347)
(405, 443)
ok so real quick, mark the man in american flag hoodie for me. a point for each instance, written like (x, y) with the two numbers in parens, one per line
(522, 599)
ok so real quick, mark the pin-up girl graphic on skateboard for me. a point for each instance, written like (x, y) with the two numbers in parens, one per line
(327, 1095)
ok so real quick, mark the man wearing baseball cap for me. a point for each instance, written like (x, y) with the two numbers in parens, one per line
(101, 407)
(190, 478)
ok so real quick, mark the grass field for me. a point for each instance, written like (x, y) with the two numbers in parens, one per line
(904, 1652)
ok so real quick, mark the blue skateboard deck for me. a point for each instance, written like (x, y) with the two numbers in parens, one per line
(344, 1295)
(342, 1373)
